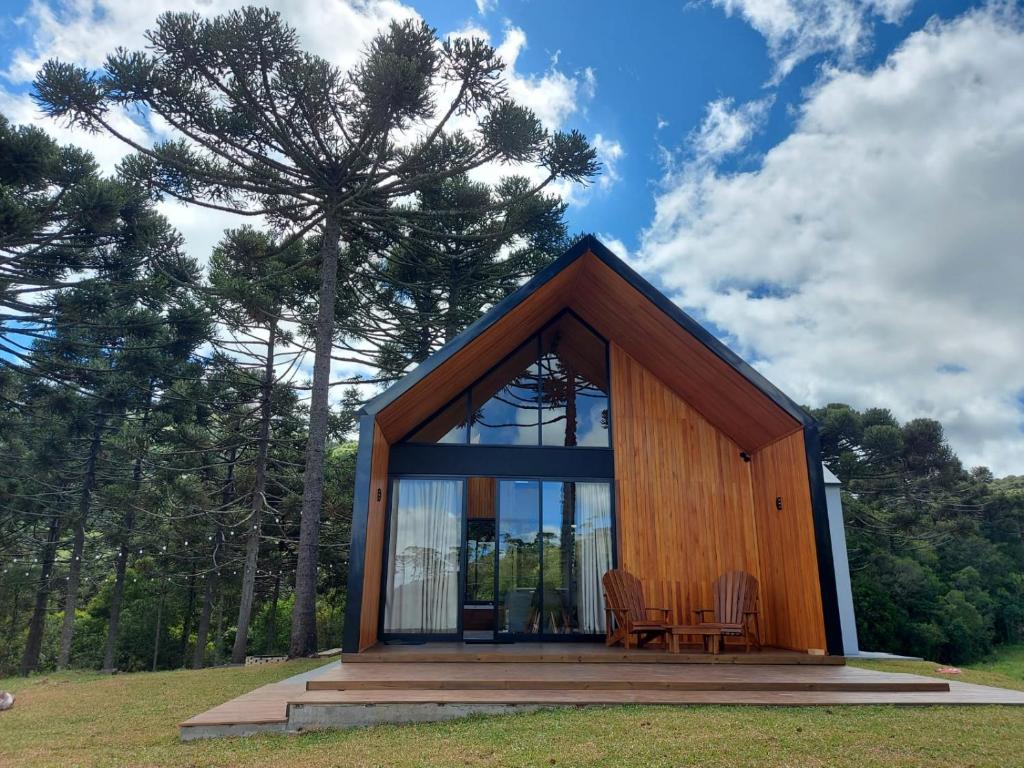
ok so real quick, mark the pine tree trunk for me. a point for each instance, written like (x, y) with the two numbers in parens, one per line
(121, 565)
(271, 639)
(186, 626)
(303, 637)
(12, 626)
(259, 502)
(203, 630)
(218, 640)
(213, 583)
(36, 625)
(159, 620)
(78, 546)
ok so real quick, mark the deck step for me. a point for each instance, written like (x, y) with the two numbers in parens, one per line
(588, 653)
(452, 676)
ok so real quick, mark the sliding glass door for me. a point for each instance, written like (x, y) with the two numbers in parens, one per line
(421, 581)
(486, 557)
(554, 545)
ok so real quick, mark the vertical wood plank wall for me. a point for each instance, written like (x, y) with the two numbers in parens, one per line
(376, 518)
(483, 494)
(689, 509)
(684, 507)
(790, 587)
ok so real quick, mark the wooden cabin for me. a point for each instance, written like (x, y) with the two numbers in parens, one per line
(584, 423)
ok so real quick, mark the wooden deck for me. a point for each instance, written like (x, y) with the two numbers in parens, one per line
(587, 653)
(346, 694)
(466, 676)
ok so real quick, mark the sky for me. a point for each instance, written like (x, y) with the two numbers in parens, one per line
(833, 187)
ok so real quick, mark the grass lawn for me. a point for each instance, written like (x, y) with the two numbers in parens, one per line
(87, 719)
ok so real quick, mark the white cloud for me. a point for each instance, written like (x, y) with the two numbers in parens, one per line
(85, 31)
(553, 95)
(483, 7)
(727, 129)
(874, 256)
(797, 29)
(609, 153)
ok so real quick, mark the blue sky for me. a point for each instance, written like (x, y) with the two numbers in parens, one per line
(834, 187)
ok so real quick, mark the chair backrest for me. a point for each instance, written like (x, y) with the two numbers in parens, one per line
(623, 592)
(735, 592)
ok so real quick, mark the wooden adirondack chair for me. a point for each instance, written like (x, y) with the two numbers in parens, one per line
(624, 602)
(735, 611)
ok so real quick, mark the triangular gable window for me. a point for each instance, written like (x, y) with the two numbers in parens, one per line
(552, 391)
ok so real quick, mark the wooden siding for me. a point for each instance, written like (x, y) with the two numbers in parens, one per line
(684, 504)
(482, 494)
(708, 384)
(375, 522)
(789, 563)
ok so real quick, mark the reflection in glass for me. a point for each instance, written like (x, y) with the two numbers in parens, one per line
(518, 556)
(554, 545)
(480, 561)
(504, 403)
(447, 426)
(574, 385)
(422, 587)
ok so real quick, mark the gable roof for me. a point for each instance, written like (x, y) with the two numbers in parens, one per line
(570, 282)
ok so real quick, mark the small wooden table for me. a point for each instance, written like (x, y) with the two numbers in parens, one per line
(711, 636)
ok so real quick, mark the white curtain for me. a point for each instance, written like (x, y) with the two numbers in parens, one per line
(593, 552)
(422, 588)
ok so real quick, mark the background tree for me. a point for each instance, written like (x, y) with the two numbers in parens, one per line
(254, 281)
(268, 129)
(482, 244)
(936, 551)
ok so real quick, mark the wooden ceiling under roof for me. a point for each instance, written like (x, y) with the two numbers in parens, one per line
(622, 314)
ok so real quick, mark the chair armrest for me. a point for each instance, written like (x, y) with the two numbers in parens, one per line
(662, 610)
(699, 613)
(750, 613)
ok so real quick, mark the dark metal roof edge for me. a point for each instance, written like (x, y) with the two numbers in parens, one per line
(591, 244)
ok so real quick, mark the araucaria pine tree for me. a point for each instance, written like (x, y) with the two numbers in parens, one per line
(265, 128)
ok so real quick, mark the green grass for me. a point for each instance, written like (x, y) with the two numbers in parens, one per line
(88, 719)
(1004, 669)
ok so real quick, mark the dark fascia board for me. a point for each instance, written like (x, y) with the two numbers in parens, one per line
(823, 542)
(590, 244)
(357, 549)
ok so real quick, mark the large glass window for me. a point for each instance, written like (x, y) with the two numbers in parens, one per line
(518, 556)
(574, 385)
(554, 545)
(503, 405)
(552, 391)
(424, 538)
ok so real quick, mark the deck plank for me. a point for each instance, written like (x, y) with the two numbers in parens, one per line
(267, 704)
(591, 653)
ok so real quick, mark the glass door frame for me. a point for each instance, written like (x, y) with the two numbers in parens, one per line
(541, 636)
(425, 637)
(457, 636)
